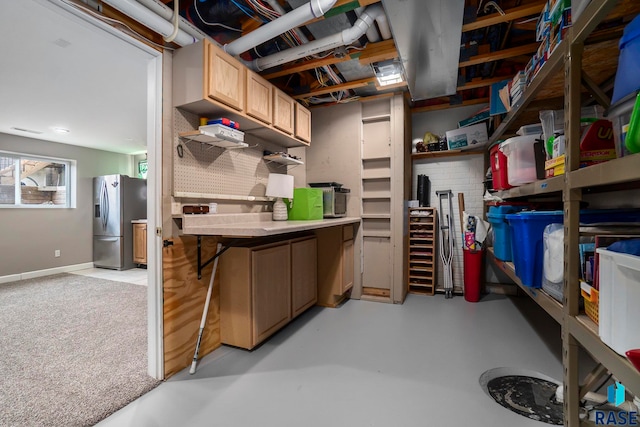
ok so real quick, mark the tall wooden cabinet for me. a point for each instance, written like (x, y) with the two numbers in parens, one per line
(573, 63)
(384, 156)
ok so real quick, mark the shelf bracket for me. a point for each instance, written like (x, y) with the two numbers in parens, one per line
(592, 379)
(599, 95)
(201, 266)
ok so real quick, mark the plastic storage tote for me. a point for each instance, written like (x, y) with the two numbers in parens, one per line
(625, 118)
(627, 77)
(501, 230)
(527, 229)
(619, 299)
(498, 168)
(521, 160)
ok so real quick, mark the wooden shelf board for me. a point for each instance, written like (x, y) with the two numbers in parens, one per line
(448, 153)
(376, 233)
(546, 186)
(585, 331)
(376, 216)
(615, 171)
(550, 305)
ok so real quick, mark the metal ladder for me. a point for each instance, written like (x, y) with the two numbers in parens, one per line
(446, 240)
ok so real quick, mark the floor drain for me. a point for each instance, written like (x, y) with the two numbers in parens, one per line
(527, 393)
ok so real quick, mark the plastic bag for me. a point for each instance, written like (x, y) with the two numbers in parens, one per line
(553, 260)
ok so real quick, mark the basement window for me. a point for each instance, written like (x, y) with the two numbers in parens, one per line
(28, 181)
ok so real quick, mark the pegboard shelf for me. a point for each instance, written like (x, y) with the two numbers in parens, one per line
(283, 159)
(216, 139)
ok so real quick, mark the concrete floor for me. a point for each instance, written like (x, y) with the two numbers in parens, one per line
(364, 364)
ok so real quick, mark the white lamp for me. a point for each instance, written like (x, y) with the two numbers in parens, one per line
(279, 186)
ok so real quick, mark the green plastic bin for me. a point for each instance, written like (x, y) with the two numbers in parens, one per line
(307, 204)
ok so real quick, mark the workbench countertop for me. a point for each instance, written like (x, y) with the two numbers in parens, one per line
(253, 224)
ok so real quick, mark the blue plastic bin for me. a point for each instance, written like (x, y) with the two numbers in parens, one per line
(527, 229)
(627, 77)
(501, 230)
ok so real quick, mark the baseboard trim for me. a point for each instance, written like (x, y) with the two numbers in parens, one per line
(46, 272)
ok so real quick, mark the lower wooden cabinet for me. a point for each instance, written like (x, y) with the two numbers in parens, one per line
(335, 264)
(263, 287)
(304, 280)
(140, 243)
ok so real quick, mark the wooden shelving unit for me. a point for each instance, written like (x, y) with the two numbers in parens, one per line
(576, 59)
(422, 251)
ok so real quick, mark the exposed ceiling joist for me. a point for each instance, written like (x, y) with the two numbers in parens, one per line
(501, 54)
(446, 106)
(509, 15)
(371, 53)
(474, 84)
(380, 51)
(336, 88)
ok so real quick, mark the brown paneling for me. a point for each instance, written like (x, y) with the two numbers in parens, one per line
(184, 298)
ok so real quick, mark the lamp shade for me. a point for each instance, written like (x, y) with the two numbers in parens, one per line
(280, 185)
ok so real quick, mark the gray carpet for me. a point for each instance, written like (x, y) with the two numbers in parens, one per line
(73, 350)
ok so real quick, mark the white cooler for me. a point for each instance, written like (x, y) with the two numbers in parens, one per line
(619, 304)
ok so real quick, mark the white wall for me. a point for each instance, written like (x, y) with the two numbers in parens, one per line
(440, 121)
(28, 237)
(463, 174)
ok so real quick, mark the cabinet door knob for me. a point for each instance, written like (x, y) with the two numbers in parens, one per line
(167, 243)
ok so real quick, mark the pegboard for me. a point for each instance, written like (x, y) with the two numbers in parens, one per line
(207, 170)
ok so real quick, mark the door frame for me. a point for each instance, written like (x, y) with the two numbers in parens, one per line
(155, 343)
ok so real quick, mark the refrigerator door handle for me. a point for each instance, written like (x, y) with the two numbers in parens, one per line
(104, 205)
(109, 239)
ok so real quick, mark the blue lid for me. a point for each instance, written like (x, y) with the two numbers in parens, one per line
(631, 32)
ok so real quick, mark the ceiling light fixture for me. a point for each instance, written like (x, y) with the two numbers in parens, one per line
(388, 72)
(61, 130)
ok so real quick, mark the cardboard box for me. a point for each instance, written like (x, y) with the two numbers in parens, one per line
(468, 138)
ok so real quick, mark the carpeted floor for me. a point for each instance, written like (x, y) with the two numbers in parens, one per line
(73, 350)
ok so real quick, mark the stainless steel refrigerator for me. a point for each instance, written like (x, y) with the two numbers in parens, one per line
(117, 200)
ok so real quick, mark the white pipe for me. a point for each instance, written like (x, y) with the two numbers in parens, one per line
(343, 38)
(372, 33)
(295, 18)
(165, 11)
(146, 17)
(276, 6)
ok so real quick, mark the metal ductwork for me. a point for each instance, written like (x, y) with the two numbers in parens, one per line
(343, 38)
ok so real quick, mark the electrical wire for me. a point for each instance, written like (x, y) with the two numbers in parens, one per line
(195, 7)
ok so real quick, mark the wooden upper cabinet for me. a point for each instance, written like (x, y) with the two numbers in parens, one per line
(259, 97)
(283, 111)
(303, 123)
(224, 77)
